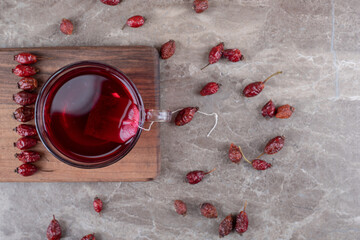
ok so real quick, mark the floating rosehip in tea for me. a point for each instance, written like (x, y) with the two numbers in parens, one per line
(208, 210)
(111, 3)
(66, 26)
(28, 156)
(98, 205)
(195, 177)
(242, 221)
(167, 49)
(25, 58)
(210, 88)
(233, 55)
(24, 114)
(226, 226)
(284, 111)
(24, 70)
(235, 154)
(185, 116)
(268, 110)
(26, 169)
(54, 230)
(28, 84)
(180, 207)
(25, 98)
(253, 89)
(215, 54)
(89, 237)
(200, 5)
(135, 21)
(26, 130)
(25, 143)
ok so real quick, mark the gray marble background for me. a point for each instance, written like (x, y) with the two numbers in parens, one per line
(312, 191)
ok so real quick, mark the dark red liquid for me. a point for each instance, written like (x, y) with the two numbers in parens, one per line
(70, 102)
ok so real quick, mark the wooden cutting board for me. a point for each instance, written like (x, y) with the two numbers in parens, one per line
(139, 63)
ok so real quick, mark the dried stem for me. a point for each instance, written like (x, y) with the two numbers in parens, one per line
(123, 26)
(205, 66)
(271, 76)
(259, 156)
(210, 171)
(245, 206)
(244, 155)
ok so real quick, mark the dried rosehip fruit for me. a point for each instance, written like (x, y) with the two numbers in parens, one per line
(25, 58)
(25, 98)
(235, 154)
(195, 177)
(89, 237)
(26, 130)
(274, 145)
(268, 110)
(28, 84)
(167, 49)
(26, 169)
(185, 116)
(24, 70)
(180, 207)
(135, 21)
(54, 230)
(66, 26)
(284, 111)
(28, 156)
(24, 114)
(200, 5)
(215, 54)
(226, 226)
(260, 164)
(255, 88)
(233, 55)
(208, 210)
(111, 3)
(210, 88)
(25, 143)
(98, 205)
(242, 221)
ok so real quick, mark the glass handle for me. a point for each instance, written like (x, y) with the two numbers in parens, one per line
(153, 115)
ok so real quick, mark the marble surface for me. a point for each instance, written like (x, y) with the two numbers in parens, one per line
(312, 190)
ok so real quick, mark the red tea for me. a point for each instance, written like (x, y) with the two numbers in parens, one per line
(90, 114)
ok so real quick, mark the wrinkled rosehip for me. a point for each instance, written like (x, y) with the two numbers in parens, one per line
(233, 55)
(24, 114)
(25, 58)
(28, 156)
(24, 70)
(167, 49)
(25, 98)
(208, 210)
(25, 143)
(268, 110)
(200, 5)
(54, 230)
(242, 221)
(111, 3)
(260, 164)
(284, 111)
(215, 54)
(26, 169)
(66, 26)
(89, 237)
(185, 116)
(234, 153)
(195, 177)
(26, 130)
(135, 21)
(28, 84)
(253, 89)
(210, 88)
(180, 207)
(226, 226)
(98, 205)
(274, 145)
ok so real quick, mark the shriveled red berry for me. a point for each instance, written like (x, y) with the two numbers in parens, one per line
(28, 156)
(215, 54)
(275, 145)
(135, 21)
(167, 49)
(210, 88)
(24, 70)
(25, 143)
(25, 98)
(89, 237)
(268, 110)
(260, 164)
(26, 130)
(242, 221)
(25, 58)
(195, 177)
(200, 5)
(28, 84)
(185, 116)
(98, 204)
(253, 89)
(208, 210)
(284, 111)
(180, 207)
(54, 230)
(111, 3)
(26, 169)
(24, 114)
(233, 55)
(226, 226)
(235, 154)
(66, 26)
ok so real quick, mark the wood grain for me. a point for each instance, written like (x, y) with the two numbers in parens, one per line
(139, 63)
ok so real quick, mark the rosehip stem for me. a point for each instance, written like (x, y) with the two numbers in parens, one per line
(123, 26)
(244, 155)
(259, 156)
(245, 206)
(274, 74)
(205, 66)
(210, 171)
